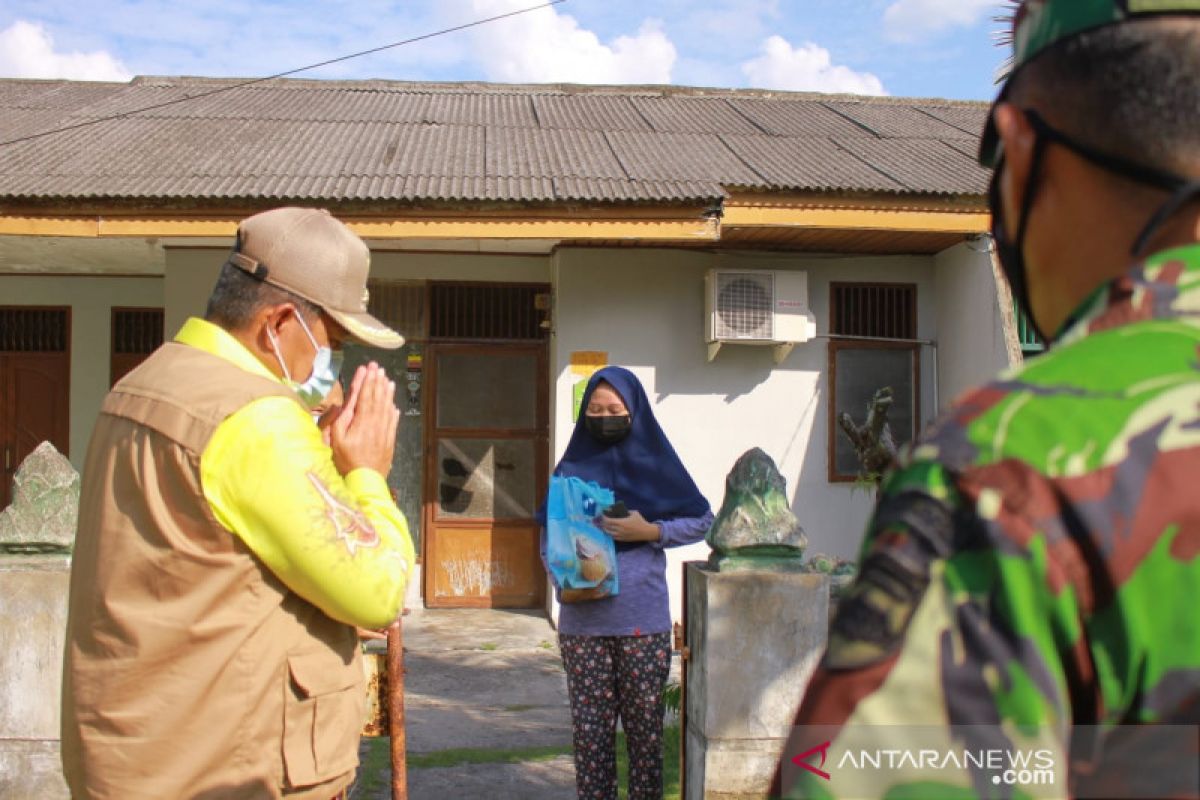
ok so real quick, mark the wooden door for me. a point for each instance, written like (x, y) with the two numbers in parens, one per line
(485, 474)
(35, 366)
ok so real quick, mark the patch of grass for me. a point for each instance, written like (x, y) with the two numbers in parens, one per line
(376, 764)
(672, 698)
(518, 707)
(375, 769)
(545, 645)
(460, 756)
(489, 646)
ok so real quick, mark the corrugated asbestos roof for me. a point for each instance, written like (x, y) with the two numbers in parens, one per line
(382, 141)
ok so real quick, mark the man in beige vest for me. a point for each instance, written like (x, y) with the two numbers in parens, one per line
(225, 552)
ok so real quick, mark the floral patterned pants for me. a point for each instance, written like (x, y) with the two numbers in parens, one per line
(607, 676)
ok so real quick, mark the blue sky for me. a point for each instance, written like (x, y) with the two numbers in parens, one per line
(918, 48)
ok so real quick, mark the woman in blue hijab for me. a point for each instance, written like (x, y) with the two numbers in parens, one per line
(617, 650)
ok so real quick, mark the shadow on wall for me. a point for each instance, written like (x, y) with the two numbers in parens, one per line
(738, 369)
(810, 409)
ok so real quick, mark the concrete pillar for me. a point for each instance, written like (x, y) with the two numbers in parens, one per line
(36, 534)
(33, 621)
(754, 640)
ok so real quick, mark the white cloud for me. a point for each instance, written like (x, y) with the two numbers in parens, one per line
(911, 20)
(806, 68)
(547, 47)
(27, 51)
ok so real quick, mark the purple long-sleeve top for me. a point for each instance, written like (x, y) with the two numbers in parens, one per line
(642, 604)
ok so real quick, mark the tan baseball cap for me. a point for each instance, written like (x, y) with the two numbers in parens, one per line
(311, 254)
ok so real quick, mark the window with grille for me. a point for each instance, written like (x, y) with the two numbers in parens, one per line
(875, 310)
(136, 333)
(872, 331)
(491, 312)
(400, 305)
(34, 330)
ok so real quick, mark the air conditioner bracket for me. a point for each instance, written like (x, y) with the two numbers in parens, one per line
(782, 350)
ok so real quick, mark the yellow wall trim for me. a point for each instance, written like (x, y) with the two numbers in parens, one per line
(648, 229)
(868, 219)
(635, 224)
(694, 228)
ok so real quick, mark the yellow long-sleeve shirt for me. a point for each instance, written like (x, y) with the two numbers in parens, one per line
(338, 541)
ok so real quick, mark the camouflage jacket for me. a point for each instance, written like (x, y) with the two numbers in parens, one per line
(1031, 576)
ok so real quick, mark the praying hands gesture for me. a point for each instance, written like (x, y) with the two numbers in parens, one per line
(363, 434)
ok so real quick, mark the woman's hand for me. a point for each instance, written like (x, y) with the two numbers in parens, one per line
(633, 528)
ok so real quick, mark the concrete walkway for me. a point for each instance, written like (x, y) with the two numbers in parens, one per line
(482, 679)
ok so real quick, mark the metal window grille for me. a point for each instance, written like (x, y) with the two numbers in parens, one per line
(34, 330)
(137, 331)
(489, 312)
(875, 310)
(400, 305)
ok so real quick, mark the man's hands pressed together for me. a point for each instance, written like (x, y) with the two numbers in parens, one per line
(363, 433)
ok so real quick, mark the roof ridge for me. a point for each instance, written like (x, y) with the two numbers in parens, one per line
(492, 87)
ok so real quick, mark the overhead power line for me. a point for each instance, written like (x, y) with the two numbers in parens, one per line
(243, 84)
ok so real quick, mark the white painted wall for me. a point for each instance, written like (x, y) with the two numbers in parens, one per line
(191, 273)
(91, 300)
(189, 278)
(970, 327)
(395, 265)
(645, 309)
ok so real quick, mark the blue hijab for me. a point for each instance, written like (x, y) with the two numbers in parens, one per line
(642, 469)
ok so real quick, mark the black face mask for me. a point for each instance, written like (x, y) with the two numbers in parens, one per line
(1011, 253)
(608, 430)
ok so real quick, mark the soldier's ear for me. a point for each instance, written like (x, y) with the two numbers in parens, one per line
(1018, 141)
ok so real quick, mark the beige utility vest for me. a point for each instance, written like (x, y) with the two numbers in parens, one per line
(190, 670)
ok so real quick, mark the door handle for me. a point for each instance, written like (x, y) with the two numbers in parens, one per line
(7, 458)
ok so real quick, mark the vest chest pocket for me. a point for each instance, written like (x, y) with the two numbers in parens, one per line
(322, 718)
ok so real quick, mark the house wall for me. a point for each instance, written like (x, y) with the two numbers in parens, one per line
(188, 280)
(645, 309)
(91, 299)
(970, 327)
(460, 267)
(192, 272)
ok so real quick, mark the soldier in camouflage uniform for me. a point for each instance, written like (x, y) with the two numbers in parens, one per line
(1032, 571)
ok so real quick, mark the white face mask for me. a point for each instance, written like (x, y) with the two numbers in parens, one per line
(327, 365)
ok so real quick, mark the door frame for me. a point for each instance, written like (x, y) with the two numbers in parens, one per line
(10, 457)
(541, 439)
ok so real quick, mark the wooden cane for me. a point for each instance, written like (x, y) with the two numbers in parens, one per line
(395, 699)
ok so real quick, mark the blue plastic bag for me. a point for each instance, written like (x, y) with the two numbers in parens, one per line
(582, 558)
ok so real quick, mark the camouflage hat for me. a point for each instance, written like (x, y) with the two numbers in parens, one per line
(1041, 24)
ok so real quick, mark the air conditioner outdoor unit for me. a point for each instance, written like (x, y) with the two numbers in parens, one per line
(763, 307)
